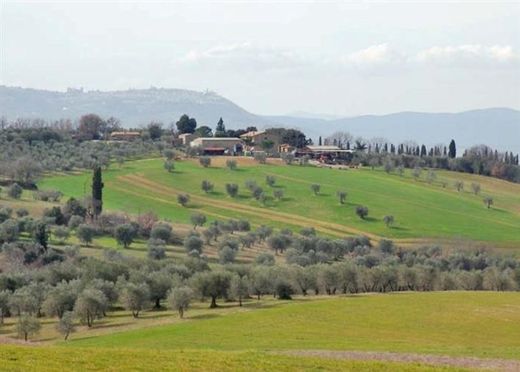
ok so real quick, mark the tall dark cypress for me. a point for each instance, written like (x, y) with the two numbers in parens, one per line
(97, 192)
(452, 151)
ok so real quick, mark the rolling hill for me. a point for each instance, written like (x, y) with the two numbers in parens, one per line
(497, 127)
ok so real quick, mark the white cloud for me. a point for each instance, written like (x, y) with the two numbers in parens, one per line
(244, 55)
(468, 54)
(375, 55)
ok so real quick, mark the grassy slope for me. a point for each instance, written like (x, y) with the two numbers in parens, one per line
(483, 324)
(16, 358)
(421, 210)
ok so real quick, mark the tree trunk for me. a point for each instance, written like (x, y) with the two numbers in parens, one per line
(181, 312)
(67, 336)
(25, 336)
(213, 302)
(240, 301)
(157, 303)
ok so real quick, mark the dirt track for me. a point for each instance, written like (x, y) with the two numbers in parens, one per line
(436, 360)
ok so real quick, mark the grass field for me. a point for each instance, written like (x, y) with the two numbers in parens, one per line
(443, 327)
(16, 358)
(422, 211)
(481, 324)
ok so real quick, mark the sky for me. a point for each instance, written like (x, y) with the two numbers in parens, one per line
(271, 57)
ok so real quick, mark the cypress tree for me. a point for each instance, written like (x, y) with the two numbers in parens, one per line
(97, 192)
(452, 153)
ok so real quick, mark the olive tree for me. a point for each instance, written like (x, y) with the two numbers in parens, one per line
(362, 211)
(90, 305)
(459, 185)
(315, 188)
(239, 288)
(278, 194)
(27, 325)
(85, 233)
(198, 219)
(135, 297)
(205, 161)
(270, 180)
(206, 186)
(125, 234)
(179, 299)
(231, 164)
(183, 199)
(388, 220)
(15, 191)
(488, 201)
(232, 189)
(65, 325)
(212, 284)
(342, 196)
(193, 245)
(476, 188)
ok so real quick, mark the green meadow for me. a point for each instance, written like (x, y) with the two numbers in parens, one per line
(422, 211)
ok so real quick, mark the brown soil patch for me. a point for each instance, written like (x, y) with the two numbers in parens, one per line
(438, 360)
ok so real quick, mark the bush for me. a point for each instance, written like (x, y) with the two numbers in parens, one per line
(15, 191)
(315, 188)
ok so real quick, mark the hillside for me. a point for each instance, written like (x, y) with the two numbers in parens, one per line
(423, 212)
(496, 127)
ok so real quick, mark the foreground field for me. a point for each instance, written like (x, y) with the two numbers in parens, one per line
(399, 331)
(422, 211)
(481, 324)
(16, 358)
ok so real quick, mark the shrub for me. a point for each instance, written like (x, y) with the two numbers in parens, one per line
(362, 211)
(315, 188)
(205, 161)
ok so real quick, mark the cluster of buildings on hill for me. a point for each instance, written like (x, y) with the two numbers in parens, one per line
(249, 143)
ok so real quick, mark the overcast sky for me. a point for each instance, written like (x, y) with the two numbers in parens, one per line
(340, 58)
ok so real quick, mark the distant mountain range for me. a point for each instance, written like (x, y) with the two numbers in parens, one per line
(496, 127)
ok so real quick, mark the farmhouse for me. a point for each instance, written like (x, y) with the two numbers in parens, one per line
(327, 154)
(219, 145)
(124, 136)
(261, 140)
(187, 138)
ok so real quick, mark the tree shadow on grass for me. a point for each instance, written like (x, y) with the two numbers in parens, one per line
(205, 316)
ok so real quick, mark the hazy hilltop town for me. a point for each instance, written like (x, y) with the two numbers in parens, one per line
(153, 228)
